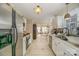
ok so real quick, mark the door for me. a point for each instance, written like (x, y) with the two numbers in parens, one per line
(34, 31)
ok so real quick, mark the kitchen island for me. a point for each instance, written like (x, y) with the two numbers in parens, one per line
(65, 47)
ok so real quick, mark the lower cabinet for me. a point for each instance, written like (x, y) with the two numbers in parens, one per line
(63, 48)
(24, 46)
(57, 48)
(60, 51)
(27, 40)
(50, 42)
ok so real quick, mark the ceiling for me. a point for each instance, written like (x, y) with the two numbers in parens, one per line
(49, 10)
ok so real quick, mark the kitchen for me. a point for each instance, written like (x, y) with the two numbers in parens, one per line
(39, 29)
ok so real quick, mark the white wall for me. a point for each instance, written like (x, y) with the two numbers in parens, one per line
(5, 18)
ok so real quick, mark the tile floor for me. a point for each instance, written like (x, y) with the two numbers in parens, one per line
(39, 47)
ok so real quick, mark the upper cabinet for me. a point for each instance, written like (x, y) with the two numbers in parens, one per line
(73, 23)
(61, 23)
(78, 20)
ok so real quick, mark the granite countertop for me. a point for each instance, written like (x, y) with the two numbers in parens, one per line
(67, 43)
(73, 40)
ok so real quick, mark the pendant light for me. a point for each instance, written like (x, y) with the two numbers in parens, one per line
(67, 15)
(38, 9)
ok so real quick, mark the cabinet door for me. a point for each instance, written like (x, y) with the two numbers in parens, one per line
(68, 50)
(58, 47)
(50, 42)
(54, 46)
(60, 50)
(24, 46)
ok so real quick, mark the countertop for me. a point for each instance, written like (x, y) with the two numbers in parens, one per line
(72, 40)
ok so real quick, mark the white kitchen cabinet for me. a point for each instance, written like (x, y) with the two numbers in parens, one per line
(56, 46)
(64, 48)
(68, 51)
(61, 23)
(60, 50)
(59, 47)
(24, 46)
